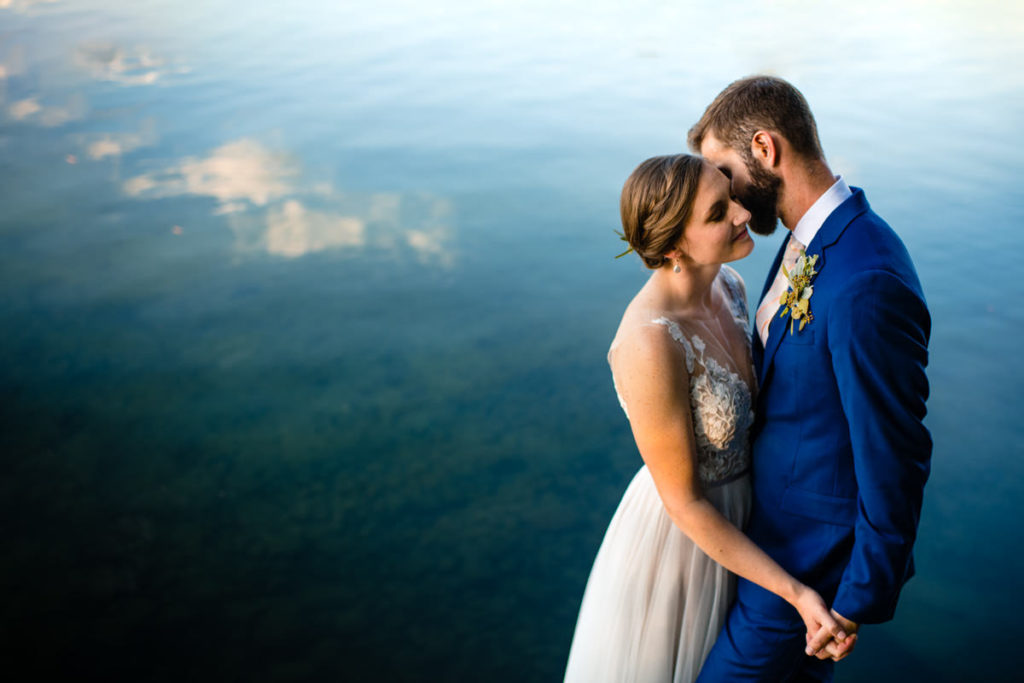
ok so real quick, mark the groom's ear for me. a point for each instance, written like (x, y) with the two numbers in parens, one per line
(765, 148)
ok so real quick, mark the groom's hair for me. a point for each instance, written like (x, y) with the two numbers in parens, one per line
(758, 103)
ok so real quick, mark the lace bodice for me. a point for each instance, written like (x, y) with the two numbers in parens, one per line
(720, 399)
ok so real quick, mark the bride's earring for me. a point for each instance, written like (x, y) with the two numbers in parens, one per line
(676, 268)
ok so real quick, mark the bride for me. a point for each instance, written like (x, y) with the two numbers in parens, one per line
(663, 579)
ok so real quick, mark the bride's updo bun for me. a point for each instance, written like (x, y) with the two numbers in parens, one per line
(657, 199)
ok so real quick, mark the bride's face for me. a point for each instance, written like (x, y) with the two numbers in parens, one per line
(716, 231)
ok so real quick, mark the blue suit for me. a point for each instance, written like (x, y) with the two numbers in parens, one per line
(840, 454)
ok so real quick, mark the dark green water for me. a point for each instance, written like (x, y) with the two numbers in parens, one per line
(305, 313)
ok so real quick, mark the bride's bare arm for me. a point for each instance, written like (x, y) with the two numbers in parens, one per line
(651, 376)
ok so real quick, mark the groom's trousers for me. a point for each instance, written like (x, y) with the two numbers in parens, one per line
(757, 647)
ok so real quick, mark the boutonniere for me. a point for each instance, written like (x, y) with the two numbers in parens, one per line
(797, 301)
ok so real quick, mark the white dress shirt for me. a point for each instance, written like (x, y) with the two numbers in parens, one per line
(810, 223)
(804, 231)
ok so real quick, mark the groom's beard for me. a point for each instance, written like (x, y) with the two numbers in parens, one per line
(761, 199)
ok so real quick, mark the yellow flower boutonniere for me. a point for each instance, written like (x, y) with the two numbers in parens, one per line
(797, 301)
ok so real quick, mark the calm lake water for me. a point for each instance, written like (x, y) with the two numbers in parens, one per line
(305, 309)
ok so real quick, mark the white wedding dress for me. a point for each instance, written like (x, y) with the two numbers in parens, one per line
(655, 603)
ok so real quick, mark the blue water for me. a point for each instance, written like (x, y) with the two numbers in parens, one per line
(305, 310)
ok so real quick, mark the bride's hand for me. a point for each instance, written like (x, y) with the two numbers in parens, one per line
(822, 627)
(838, 651)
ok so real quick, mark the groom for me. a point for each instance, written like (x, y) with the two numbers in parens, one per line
(840, 455)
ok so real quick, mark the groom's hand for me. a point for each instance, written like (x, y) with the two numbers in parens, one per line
(835, 650)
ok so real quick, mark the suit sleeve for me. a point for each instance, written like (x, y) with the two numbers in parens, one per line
(878, 333)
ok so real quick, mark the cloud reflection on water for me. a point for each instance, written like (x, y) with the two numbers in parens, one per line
(234, 173)
(29, 110)
(128, 66)
(13, 63)
(293, 230)
(113, 145)
(272, 209)
(22, 5)
(101, 146)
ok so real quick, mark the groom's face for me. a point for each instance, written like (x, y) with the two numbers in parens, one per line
(757, 188)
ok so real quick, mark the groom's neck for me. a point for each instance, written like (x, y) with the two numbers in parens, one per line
(803, 183)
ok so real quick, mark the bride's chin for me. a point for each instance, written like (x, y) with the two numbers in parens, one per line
(743, 249)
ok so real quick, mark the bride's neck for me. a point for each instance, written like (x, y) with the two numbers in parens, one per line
(689, 290)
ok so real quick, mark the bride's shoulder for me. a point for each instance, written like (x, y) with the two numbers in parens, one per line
(647, 365)
(646, 341)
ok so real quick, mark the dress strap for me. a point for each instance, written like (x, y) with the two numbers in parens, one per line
(737, 300)
(677, 333)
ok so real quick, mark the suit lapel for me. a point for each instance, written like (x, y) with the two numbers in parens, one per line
(830, 232)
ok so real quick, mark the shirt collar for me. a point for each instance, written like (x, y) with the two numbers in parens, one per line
(809, 224)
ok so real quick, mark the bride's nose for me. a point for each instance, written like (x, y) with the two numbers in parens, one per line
(742, 216)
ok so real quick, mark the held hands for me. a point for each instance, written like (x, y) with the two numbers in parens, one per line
(829, 635)
(834, 649)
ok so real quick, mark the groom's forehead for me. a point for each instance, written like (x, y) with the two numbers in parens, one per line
(711, 145)
(717, 152)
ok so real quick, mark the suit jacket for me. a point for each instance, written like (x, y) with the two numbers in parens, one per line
(840, 454)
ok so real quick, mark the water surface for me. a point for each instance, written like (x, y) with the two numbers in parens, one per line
(305, 313)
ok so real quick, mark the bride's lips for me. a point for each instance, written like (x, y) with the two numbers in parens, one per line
(743, 233)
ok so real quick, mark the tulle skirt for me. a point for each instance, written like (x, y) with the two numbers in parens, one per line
(654, 603)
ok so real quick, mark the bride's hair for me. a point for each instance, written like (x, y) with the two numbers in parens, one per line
(656, 203)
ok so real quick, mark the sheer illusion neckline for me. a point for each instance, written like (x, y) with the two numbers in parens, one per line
(726, 348)
(709, 348)
(721, 399)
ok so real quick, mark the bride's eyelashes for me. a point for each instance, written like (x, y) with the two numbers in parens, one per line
(717, 212)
